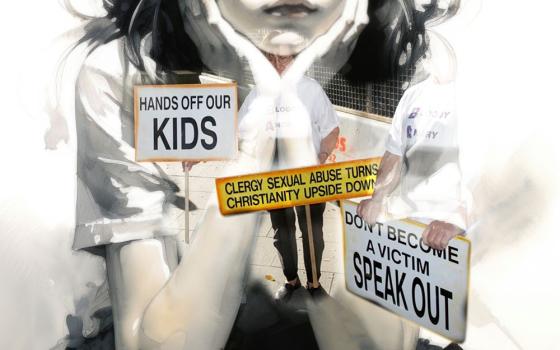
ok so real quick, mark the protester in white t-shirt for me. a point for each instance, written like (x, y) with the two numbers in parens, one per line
(420, 175)
(309, 102)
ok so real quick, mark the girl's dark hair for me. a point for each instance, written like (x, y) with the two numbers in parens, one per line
(171, 47)
(393, 40)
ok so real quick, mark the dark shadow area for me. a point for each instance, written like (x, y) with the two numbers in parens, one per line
(262, 323)
(104, 340)
(179, 202)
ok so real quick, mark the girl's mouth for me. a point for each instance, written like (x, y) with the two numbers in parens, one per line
(292, 9)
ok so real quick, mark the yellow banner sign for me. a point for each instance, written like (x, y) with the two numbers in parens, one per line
(292, 187)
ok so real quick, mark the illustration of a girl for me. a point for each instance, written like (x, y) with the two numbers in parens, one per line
(121, 204)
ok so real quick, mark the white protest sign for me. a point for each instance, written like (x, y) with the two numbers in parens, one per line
(185, 122)
(389, 264)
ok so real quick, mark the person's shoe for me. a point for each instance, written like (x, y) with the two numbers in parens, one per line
(424, 344)
(284, 293)
(317, 293)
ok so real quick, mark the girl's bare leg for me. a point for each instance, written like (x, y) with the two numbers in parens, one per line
(136, 270)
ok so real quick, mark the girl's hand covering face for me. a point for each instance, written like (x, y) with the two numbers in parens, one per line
(281, 27)
(335, 25)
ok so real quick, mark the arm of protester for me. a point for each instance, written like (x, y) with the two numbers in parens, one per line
(328, 143)
(387, 179)
(388, 175)
(438, 234)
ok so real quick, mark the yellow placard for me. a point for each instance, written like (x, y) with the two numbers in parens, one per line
(293, 187)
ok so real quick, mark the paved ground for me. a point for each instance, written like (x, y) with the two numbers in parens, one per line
(265, 263)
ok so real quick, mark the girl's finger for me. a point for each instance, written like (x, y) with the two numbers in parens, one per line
(324, 43)
(361, 19)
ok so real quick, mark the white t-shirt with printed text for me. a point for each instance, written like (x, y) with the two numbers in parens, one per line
(293, 114)
(424, 133)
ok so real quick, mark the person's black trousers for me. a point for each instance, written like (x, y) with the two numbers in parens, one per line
(284, 225)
